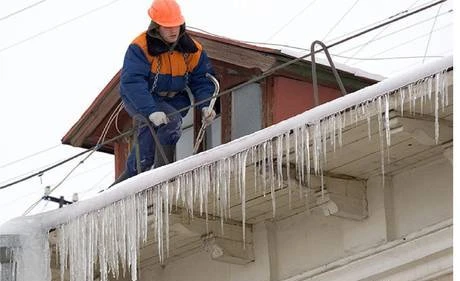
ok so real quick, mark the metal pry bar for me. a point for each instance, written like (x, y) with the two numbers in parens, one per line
(200, 136)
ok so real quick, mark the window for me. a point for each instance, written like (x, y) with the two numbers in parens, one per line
(246, 110)
(184, 147)
(7, 265)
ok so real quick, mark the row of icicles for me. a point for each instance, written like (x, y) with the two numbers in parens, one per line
(112, 236)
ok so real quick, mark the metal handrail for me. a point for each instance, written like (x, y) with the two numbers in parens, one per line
(313, 71)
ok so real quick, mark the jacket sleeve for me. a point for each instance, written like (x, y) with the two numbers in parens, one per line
(202, 88)
(134, 82)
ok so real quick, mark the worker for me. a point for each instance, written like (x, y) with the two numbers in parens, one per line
(159, 65)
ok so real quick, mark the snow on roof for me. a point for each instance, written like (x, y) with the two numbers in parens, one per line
(356, 71)
(287, 51)
(129, 199)
(147, 179)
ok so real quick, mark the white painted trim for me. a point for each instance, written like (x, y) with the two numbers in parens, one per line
(381, 259)
(428, 270)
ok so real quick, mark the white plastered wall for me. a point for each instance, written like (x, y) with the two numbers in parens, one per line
(422, 196)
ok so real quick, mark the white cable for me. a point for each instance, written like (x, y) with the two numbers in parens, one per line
(57, 26)
(29, 156)
(392, 33)
(431, 32)
(406, 42)
(340, 20)
(291, 20)
(21, 10)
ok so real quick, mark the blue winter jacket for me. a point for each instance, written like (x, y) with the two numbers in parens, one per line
(149, 58)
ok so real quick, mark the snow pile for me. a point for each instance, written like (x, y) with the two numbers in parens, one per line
(24, 251)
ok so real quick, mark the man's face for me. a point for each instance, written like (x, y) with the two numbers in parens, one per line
(169, 34)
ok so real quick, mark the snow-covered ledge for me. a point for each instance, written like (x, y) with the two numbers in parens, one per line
(123, 209)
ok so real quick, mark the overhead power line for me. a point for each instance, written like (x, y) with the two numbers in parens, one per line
(22, 10)
(431, 32)
(28, 156)
(340, 20)
(381, 31)
(250, 81)
(95, 148)
(374, 39)
(407, 42)
(291, 20)
(58, 25)
(276, 68)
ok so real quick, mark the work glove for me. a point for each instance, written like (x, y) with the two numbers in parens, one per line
(208, 115)
(158, 118)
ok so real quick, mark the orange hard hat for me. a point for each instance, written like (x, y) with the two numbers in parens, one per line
(166, 13)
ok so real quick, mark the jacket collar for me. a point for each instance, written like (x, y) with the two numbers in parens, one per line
(157, 46)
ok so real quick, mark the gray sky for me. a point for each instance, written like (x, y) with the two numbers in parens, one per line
(56, 57)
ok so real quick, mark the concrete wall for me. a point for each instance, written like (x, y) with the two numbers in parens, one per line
(422, 196)
(410, 201)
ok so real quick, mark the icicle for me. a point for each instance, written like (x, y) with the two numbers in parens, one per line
(272, 177)
(279, 159)
(422, 96)
(264, 167)
(113, 235)
(228, 169)
(331, 129)
(297, 158)
(402, 98)
(302, 158)
(340, 127)
(254, 163)
(381, 139)
(445, 88)
(387, 120)
(436, 109)
(316, 147)
(243, 191)
(307, 149)
(166, 215)
(288, 167)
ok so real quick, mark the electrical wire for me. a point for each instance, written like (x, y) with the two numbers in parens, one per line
(36, 171)
(406, 42)
(59, 183)
(357, 46)
(22, 10)
(340, 20)
(96, 147)
(375, 23)
(116, 111)
(291, 20)
(342, 52)
(250, 81)
(112, 117)
(376, 37)
(392, 33)
(387, 58)
(431, 32)
(29, 156)
(96, 185)
(274, 69)
(58, 25)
